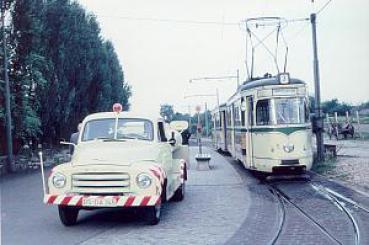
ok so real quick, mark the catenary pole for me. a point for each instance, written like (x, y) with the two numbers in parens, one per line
(8, 119)
(206, 120)
(318, 112)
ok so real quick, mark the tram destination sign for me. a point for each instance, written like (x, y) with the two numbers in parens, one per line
(284, 92)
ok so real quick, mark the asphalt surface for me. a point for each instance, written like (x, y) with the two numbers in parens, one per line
(214, 207)
(226, 205)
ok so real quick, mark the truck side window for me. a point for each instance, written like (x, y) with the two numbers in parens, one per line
(162, 136)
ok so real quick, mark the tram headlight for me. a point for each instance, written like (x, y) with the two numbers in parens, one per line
(288, 148)
(59, 180)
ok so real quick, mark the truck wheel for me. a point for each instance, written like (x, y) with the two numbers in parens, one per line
(68, 215)
(179, 194)
(153, 214)
(164, 192)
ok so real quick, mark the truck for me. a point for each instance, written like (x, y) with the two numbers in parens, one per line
(121, 160)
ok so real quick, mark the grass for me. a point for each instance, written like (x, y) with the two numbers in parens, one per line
(324, 167)
(364, 136)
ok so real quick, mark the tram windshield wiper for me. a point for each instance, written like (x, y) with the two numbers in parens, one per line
(113, 140)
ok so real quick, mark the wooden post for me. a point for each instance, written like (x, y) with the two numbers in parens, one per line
(327, 127)
(347, 117)
(336, 121)
(358, 123)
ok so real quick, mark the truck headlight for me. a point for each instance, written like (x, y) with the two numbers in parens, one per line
(59, 180)
(143, 180)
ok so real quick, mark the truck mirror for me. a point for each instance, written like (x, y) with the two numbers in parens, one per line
(172, 141)
(67, 143)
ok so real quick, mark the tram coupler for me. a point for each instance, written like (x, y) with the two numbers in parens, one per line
(290, 177)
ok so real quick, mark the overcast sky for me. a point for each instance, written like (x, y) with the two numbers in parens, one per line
(159, 55)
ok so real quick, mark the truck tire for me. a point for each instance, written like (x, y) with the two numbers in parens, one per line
(68, 215)
(164, 192)
(180, 193)
(153, 214)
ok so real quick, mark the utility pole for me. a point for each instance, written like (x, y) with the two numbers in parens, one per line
(318, 113)
(238, 78)
(206, 120)
(189, 119)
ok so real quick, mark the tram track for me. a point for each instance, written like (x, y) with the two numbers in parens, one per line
(340, 201)
(342, 197)
(284, 199)
(307, 208)
(282, 216)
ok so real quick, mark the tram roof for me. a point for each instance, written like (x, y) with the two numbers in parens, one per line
(267, 82)
(259, 82)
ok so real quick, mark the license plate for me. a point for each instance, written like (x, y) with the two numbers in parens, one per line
(99, 202)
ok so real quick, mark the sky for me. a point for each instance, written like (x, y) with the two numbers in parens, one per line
(163, 44)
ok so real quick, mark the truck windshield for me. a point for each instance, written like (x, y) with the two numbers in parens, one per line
(279, 111)
(124, 128)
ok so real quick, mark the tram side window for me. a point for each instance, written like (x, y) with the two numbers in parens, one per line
(217, 121)
(262, 112)
(229, 119)
(221, 119)
(236, 114)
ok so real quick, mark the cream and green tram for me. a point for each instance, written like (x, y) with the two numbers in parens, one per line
(268, 127)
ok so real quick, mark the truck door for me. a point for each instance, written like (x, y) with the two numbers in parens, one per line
(166, 148)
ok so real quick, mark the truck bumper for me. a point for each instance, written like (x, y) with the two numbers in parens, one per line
(102, 201)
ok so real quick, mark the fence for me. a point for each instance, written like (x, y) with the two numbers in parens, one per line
(27, 159)
(342, 125)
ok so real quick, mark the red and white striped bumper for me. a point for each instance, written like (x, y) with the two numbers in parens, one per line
(102, 201)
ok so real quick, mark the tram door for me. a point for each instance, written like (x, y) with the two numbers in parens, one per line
(223, 137)
(232, 144)
(249, 125)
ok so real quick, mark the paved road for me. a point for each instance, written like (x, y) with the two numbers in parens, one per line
(214, 207)
(226, 205)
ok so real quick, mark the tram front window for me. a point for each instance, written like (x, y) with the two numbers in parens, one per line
(279, 111)
(289, 111)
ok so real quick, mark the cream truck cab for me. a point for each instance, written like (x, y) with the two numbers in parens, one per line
(122, 160)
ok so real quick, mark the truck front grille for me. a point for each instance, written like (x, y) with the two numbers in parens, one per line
(101, 183)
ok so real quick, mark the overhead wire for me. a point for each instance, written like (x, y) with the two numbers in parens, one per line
(324, 7)
(177, 21)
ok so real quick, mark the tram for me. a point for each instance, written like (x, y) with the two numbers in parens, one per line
(266, 125)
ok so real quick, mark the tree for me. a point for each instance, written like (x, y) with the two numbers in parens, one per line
(61, 70)
(166, 111)
(334, 105)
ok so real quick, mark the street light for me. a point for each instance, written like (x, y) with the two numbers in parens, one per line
(237, 76)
